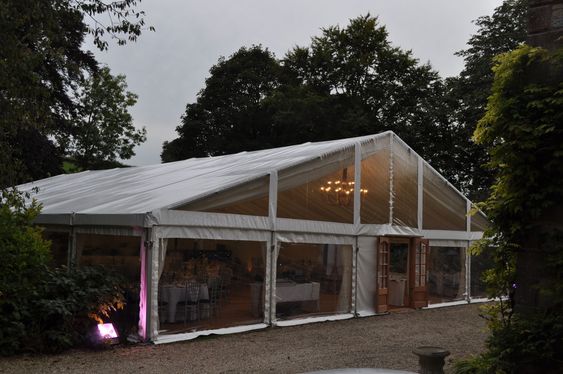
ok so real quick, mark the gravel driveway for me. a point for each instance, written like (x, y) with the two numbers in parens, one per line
(379, 341)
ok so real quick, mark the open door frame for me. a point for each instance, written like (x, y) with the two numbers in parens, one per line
(417, 273)
(382, 272)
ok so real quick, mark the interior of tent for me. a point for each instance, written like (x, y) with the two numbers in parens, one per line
(350, 228)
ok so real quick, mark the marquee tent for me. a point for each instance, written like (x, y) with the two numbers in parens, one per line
(310, 232)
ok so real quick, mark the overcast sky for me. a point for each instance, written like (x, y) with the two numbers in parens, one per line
(168, 67)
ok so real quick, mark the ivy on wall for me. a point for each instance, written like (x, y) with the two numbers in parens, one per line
(522, 131)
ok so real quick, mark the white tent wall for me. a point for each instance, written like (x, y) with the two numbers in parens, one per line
(367, 275)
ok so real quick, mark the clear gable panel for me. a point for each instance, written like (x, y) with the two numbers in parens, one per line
(250, 198)
(443, 208)
(313, 280)
(405, 186)
(320, 190)
(479, 222)
(375, 180)
(211, 284)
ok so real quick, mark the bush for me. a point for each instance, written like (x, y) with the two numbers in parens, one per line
(44, 309)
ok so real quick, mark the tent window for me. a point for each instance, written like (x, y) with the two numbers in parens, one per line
(59, 247)
(122, 255)
(210, 284)
(479, 222)
(250, 198)
(375, 179)
(313, 279)
(405, 186)
(322, 190)
(446, 274)
(443, 208)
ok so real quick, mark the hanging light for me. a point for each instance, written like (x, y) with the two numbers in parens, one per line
(341, 191)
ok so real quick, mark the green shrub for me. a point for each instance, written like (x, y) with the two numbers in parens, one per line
(44, 309)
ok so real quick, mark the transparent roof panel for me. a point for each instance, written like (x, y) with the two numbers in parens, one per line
(443, 208)
(320, 190)
(249, 198)
(375, 180)
(405, 186)
(479, 222)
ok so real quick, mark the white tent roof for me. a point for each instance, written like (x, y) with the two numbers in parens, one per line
(142, 189)
(136, 196)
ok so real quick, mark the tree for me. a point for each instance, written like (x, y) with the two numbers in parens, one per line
(348, 82)
(502, 32)
(522, 132)
(42, 64)
(104, 128)
(228, 115)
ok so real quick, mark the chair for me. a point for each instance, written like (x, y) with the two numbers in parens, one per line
(215, 285)
(191, 305)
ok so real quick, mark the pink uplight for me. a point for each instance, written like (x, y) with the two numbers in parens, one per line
(107, 331)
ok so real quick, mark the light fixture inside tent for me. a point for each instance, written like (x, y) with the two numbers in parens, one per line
(341, 191)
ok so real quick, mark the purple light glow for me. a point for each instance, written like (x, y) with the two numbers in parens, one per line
(107, 331)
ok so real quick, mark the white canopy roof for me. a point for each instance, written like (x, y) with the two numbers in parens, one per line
(142, 189)
(138, 196)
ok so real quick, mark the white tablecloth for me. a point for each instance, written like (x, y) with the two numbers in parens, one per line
(173, 294)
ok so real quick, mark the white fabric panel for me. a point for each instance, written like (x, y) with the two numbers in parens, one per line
(172, 338)
(211, 233)
(448, 243)
(292, 237)
(115, 230)
(451, 235)
(366, 276)
(303, 321)
(205, 219)
(154, 271)
(345, 295)
(273, 199)
(143, 292)
(388, 230)
(295, 225)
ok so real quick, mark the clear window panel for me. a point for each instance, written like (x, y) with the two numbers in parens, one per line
(443, 208)
(375, 180)
(59, 247)
(249, 198)
(405, 186)
(211, 284)
(313, 279)
(446, 274)
(120, 254)
(479, 222)
(320, 191)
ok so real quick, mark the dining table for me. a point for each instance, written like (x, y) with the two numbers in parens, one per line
(172, 294)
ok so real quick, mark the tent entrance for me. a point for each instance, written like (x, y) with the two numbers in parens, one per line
(401, 273)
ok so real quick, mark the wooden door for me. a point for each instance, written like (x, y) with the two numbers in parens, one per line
(382, 287)
(417, 273)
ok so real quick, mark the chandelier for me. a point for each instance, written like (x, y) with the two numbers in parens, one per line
(341, 191)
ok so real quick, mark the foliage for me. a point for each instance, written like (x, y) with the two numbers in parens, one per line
(522, 131)
(349, 82)
(44, 309)
(501, 32)
(42, 65)
(228, 115)
(104, 128)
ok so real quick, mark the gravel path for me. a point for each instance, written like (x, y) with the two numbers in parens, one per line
(379, 341)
